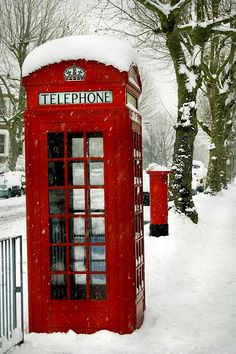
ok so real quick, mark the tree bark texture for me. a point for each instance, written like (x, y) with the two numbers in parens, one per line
(220, 131)
(186, 130)
(16, 143)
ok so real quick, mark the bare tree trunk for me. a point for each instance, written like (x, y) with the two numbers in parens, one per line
(182, 167)
(231, 148)
(15, 149)
(221, 129)
(186, 130)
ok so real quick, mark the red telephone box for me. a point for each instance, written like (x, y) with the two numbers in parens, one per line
(84, 198)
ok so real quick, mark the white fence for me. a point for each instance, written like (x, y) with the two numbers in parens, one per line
(11, 293)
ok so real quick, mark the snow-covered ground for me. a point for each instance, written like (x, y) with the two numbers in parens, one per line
(190, 289)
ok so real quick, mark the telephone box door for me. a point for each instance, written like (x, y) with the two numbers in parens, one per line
(78, 246)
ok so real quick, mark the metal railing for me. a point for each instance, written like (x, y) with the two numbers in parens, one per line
(11, 293)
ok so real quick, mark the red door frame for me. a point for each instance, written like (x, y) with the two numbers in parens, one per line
(52, 309)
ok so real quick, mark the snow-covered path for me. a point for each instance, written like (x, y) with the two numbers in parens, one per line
(12, 216)
(196, 292)
(191, 292)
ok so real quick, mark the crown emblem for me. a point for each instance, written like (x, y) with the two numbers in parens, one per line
(74, 73)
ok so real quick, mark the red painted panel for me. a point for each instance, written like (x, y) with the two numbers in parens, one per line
(158, 197)
(123, 308)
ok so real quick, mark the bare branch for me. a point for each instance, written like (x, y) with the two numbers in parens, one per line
(180, 5)
(157, 7)
(129, 15)
(7, 87)
(224, 30)
(210, 24)
(204, 127)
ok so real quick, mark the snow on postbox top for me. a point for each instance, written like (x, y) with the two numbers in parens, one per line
(78, 70)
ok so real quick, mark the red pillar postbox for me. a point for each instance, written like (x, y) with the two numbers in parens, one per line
(84, 194)
(158, 200)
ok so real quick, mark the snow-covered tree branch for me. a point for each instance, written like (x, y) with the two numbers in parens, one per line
(187, 28)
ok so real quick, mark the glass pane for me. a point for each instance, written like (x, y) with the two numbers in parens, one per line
(55, 145)
(95, 144)
(57, 201)
(132, 100)
(76, 201)
(78, 286)
(97, 230)
(75, 145)
(56, 174)
(57, 258)
(76, 173)
(96, 200)
(57, 230)
(58, 286)
(2, 143)
(96, 173)
(78, 258)
(97, 259)
(98, 286)
(77, 230)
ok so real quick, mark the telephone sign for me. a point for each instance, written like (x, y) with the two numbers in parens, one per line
(82, 97)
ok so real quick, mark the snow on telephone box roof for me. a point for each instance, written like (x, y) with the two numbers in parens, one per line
(103, 49)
